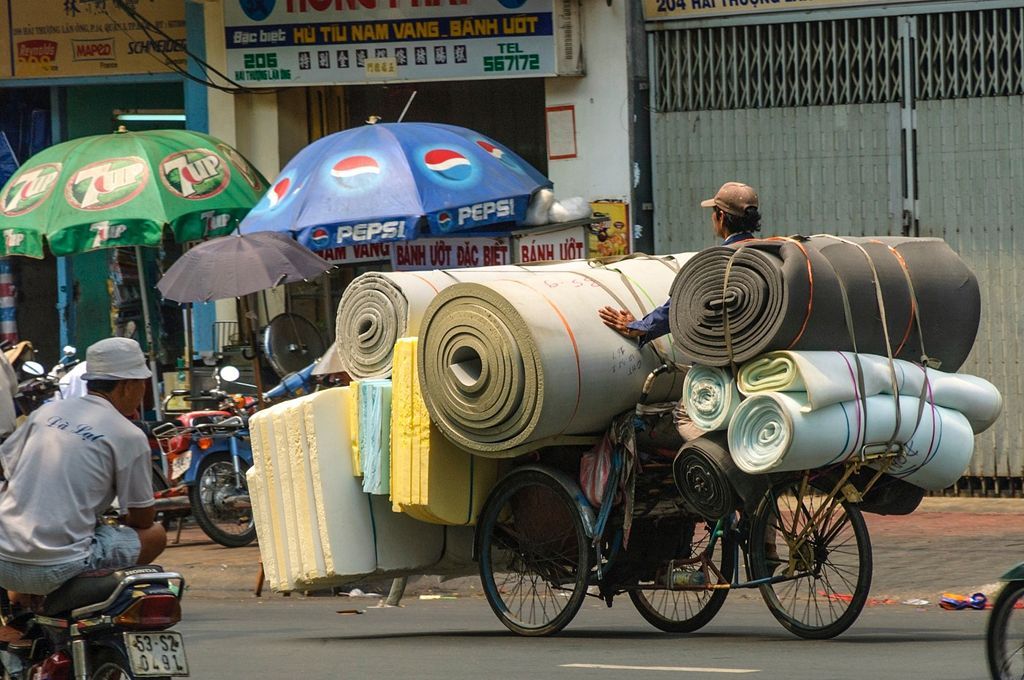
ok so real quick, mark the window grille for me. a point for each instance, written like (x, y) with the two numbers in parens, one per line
(970, 54)
(814, 63)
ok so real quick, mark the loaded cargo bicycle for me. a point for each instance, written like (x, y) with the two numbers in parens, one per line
(472, 437)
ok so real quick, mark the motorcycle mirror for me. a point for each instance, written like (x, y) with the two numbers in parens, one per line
(33, 368)
(230, 374)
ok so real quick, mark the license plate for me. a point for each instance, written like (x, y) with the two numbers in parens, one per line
(156, 654)
(180, 465)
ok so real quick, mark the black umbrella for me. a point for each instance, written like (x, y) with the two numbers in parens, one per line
(233, 266)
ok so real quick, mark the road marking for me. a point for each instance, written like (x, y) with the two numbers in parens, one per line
(670, 669)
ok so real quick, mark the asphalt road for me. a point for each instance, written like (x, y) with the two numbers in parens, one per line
(278, 637)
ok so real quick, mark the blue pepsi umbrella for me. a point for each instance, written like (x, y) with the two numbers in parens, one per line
(395, 181)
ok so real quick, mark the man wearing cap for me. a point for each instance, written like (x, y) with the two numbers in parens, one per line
(65, 466)
(734, 218)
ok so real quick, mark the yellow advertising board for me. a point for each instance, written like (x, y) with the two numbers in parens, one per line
(93, 37)
(5, 43)
(611, 238)
(659, 10)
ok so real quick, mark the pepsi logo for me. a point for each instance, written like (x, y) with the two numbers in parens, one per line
(449, 164)
(355, 167)
(279, 191)
(444, 220)
(498, 153)
(320, 237)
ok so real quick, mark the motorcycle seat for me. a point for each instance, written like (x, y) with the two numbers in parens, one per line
(90, 588)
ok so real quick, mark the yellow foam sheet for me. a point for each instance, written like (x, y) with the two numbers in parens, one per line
(342, 509)
(286, 483)
(431, 479)
(275, 552)
(307, 523)
(353, 424)
(264, 530)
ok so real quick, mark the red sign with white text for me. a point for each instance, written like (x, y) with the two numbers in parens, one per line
(561, 244)
(449, 253)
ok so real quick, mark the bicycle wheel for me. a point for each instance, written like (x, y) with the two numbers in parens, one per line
(823, 551)
(534, 554)
(684, 611)
(1004, 638)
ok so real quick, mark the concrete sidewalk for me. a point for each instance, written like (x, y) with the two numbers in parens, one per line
(959, 545)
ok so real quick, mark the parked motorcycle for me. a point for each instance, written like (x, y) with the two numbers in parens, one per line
(104, 625)
(1004, 639)
(206, 455)
(40, 385)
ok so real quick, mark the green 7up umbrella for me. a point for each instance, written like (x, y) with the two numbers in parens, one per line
(125, 189)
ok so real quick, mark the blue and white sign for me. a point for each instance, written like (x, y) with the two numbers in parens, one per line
(329, 42)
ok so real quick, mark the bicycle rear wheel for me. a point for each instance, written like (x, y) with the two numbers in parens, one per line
(1004, 639)
(535, 557)
(684, 611)
(824, 552)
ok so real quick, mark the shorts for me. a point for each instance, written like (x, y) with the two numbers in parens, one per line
(113, 547)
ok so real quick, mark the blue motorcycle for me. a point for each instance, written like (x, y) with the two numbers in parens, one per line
(206, 454)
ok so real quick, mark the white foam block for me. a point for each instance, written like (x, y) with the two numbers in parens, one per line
(342, 509)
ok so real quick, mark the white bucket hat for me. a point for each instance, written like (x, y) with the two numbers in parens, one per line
(115, 359)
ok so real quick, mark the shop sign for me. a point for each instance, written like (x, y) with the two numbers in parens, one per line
(363, 252)
(547, 246)
(450, 253)
(90, 38)
(658, 10)
(341, 42)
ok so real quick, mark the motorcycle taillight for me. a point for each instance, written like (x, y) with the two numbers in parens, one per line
(150, 612)
(176, 443)
(57, 666)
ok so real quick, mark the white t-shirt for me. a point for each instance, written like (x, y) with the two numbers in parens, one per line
(71, 383)
(64, 467)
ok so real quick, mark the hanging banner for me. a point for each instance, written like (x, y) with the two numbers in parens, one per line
(450, 253)
(95, 37)
(335, 42)
(659, 10)
(363, 252)
(610, 238)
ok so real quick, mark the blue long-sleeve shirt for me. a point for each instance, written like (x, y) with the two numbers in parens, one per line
(655, 324)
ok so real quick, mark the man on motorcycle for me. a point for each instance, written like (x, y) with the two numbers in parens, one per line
(63, 469)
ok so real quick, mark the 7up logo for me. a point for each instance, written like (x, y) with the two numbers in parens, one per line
(105, 231)
(107, 184)
(29, 189)
(195, 173)
(13, 240)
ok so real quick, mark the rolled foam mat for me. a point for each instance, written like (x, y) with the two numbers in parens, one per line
(431, 479)
(772, 432)
(375, 435)
(710, 397)
(378, 308)
(832, 377)
(788, 294)
(518, 363)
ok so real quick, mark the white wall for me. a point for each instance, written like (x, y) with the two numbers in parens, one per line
(601, 168)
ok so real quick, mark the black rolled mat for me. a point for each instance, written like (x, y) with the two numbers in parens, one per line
(788, 294)
(710, 483)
